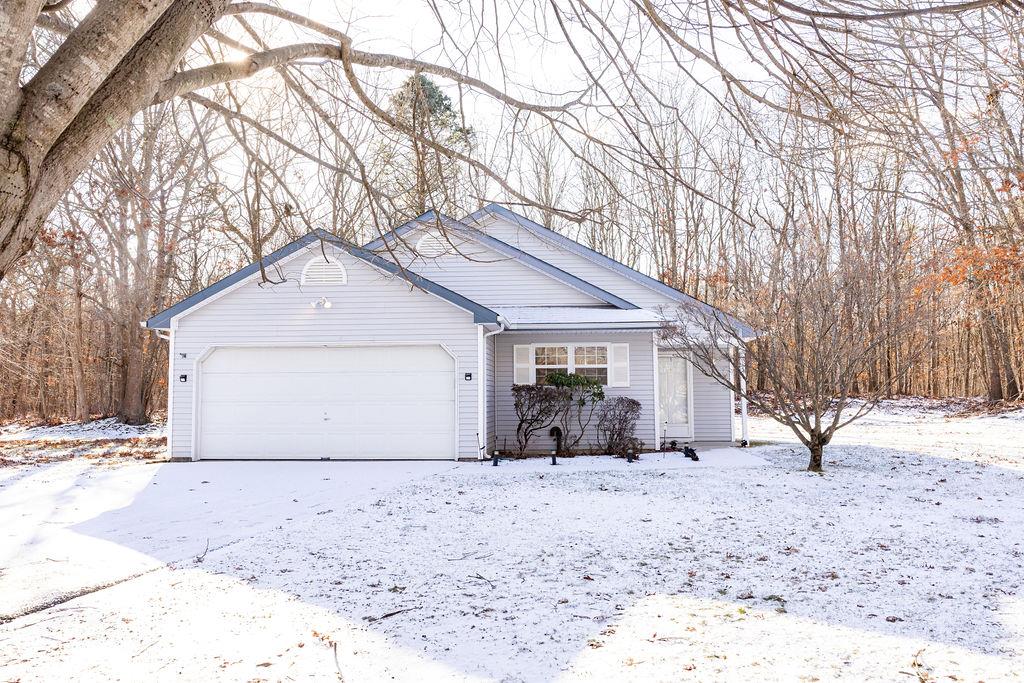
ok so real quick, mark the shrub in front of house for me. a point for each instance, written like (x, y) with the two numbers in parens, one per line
(616, 425)
(536, 406)
(578, 397)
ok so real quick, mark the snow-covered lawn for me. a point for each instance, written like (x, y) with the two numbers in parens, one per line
(902, 562)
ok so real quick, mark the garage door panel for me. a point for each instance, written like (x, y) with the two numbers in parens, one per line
(289, 416)
(317, 359)
(316, 388)
(392, 418)
(327, 402)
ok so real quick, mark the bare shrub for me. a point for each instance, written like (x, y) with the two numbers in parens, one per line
(616, 424)
(536, 406)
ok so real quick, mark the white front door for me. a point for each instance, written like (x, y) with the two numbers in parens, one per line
(676, 401)
(315, 402)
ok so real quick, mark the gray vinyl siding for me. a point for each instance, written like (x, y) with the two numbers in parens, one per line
(581, 267)
(641, 376)
(712, 408)
(371, 308)
(487, 277)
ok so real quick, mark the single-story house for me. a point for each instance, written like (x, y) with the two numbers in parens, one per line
(408, 347)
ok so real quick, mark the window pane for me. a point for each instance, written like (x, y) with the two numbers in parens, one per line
(542, 373)
(591, 355)
(552, 355)
(600, 374)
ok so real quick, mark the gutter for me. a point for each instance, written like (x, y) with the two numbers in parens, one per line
(586, 327)
(160, 333)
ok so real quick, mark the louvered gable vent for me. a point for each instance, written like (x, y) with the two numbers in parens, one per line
(320, 272)
(432, 245)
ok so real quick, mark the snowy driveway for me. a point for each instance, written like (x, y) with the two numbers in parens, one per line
(76, 525)
(894, 565)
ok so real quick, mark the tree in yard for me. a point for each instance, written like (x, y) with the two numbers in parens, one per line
(833, 325)
(98, 72)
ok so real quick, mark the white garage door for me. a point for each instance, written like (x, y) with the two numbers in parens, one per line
(327, 402)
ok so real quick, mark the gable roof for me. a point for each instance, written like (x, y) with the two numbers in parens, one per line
(597, 257)
(505, 249)
(481, 314)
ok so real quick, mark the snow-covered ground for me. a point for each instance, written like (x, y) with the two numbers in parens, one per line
(902, 562)
(98, 440)
(107, 428)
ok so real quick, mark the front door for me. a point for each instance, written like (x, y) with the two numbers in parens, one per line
(674, 381)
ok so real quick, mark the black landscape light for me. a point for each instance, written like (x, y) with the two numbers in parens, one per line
(554, 461)
(629, 455)
(494, 459)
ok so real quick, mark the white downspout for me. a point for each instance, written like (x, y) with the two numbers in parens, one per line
(744, 433)
(483, 384)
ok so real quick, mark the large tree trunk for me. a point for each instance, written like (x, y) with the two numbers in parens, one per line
(78, 352)
(107, 70)
(15, 233)
(992, 373)
(815, 463)
(817, 448)
(133, 402)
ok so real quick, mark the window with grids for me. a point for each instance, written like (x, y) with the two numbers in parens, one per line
(548, 359)
(587, 360)
(592, 362)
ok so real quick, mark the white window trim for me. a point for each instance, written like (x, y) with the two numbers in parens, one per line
(571, 358)
(318, 259)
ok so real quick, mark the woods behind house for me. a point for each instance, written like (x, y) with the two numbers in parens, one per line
(859, 174)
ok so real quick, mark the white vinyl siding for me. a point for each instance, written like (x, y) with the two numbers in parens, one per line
(712, 408)
(371, 309)
(488, 277)
(583, 268)
(640, 349)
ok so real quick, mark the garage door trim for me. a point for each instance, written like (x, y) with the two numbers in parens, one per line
(197, 372)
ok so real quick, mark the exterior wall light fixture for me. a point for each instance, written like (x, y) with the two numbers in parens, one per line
(322, 302)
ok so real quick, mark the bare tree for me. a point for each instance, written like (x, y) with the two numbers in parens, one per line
(821, 290)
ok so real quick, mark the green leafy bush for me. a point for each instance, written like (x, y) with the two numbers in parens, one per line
(578, 397)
